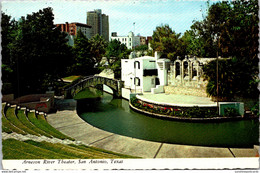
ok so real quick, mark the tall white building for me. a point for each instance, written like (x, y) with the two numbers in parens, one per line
(145, 74)
(130, 40)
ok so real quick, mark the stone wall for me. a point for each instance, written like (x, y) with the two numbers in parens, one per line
(7, 98)
(201, 92)
(39, 102)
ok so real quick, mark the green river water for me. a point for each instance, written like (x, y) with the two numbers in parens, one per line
(114, 115)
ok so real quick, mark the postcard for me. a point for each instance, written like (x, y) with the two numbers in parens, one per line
(130, 85)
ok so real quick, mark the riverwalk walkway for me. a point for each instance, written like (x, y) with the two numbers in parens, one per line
(68, 122)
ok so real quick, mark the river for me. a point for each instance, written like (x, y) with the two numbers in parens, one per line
(114, 115)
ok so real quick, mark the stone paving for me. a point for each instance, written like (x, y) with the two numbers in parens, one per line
(177, 100)
(69, 123)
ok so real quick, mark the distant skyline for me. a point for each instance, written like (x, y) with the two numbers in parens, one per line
(146, 14)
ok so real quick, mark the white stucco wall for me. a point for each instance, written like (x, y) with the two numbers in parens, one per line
(129, 73)
(147, 80)
(126, 93)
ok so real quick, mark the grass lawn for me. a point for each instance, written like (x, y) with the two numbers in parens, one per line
(22, 117)
(14, 149)
(10, 114)
(42, 124)
(71, 78)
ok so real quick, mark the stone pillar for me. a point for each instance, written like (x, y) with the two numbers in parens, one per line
(190, 69)
(182, 71)
(198, 72)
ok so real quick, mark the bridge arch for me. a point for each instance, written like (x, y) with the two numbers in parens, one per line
(114, 84)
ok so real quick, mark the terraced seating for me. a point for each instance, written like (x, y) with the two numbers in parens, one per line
(23, 118)
(7, 126)
(25, 122)
(14, 149)
(11, 116)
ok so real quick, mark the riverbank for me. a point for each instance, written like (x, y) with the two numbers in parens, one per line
(68, 122)
(184, 108)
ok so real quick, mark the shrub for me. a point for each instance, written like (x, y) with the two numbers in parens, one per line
(231, 112)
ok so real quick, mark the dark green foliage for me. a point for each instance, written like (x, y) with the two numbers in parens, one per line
(168, 42)
(37, 53)
(98, 48)
(83, 61)
(255, 109)
(236, 78)
(115, 51)
(186, 112)
(231, 112)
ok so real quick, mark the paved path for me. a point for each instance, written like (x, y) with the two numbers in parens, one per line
(69, 123)
(177, 100)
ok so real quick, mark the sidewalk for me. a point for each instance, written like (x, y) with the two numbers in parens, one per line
(69, 123)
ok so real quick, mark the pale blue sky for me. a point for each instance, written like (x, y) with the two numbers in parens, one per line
(147, 14)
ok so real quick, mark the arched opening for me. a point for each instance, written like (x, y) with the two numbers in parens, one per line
(137, 81)
(137, 64)
(177, 69)
(185, 68)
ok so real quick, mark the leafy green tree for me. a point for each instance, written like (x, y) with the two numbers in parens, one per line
(142, 49)
(233, 28)
(116, 51)
(8, 30)
(39, 52)
(83, 60)
(168, 42)
(98, 48)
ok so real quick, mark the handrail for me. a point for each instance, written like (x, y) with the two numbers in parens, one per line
(87, 78)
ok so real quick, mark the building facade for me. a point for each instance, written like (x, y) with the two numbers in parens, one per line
(99, 23)
(130, 40)
(145, 74)
(188, 72)
(73, 28)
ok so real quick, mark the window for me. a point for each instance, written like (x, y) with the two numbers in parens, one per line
(138, 64)
(129, 39)
(137, 81)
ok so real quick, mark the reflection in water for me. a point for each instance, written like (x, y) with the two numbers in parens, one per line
(114, 115)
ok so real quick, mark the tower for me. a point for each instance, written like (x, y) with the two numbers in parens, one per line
(99, 23)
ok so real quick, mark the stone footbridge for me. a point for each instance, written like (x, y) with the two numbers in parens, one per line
(88, 81)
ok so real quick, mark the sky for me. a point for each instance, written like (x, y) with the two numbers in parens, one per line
(146, 14)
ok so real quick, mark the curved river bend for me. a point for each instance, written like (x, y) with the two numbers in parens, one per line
(114, 115)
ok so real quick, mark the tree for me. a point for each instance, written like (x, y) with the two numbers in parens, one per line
(39, 53)
(83, 61)
(98, 48)
(116, 51)
(228, 25)
(8, 29)
(168, 42)
(142, 49)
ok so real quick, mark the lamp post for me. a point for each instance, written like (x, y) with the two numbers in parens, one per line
(217, 77)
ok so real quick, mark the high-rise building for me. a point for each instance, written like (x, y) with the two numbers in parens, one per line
(73, 28)
(99, 23)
